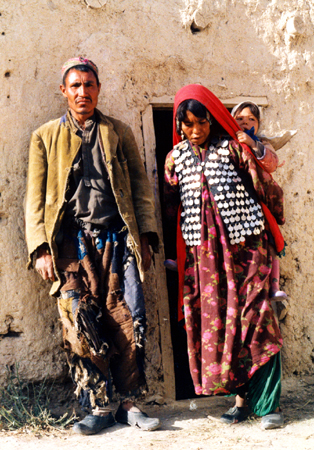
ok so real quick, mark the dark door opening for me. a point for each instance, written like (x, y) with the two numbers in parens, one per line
(183, 382)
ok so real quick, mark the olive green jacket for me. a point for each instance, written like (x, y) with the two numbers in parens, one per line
(53, 149)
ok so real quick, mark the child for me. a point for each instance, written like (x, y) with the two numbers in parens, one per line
(247, 115)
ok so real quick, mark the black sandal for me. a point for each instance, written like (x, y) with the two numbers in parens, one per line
(235, 414)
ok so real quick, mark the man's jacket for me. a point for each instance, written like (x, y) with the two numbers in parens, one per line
(53, 149)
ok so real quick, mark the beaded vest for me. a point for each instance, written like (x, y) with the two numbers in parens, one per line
(237, 204)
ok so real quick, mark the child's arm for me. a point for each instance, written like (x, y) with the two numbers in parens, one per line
(263, 151)
(270, 160)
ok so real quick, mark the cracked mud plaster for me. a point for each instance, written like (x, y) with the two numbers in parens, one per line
(199, 14)
(145, 51)
(95, 3)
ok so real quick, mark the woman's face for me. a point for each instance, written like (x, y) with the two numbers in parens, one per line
(195, 129)
(246, 120)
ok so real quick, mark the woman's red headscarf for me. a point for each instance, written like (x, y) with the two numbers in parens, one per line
(222, 115)
(211, 102)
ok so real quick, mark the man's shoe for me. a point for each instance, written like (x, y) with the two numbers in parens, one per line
(235, 414)
(273, 420)
(93, 424)
(137, 419)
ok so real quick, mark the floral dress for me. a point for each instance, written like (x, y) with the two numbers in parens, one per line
(231, 327)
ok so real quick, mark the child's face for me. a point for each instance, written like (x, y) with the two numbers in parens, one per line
(246, 120)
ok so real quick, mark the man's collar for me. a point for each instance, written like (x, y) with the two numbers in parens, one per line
(75, 126)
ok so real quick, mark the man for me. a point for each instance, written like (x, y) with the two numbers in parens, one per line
(89, 223)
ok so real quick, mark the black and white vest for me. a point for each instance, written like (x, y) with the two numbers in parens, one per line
(237, 204)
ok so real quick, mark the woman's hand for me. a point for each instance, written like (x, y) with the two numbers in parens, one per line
(244, 138)
(145, 251)
(44, 265)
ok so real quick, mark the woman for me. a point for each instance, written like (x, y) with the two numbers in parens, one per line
(219, 187)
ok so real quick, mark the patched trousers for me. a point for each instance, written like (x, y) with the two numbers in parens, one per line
(102, 310)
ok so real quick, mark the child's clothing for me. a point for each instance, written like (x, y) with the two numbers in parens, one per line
(264, 151)
(275, 293)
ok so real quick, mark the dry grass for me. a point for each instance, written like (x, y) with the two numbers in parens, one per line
(27, 406)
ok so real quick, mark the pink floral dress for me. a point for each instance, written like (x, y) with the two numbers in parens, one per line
(230, 324)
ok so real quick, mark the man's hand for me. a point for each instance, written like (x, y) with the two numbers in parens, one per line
(243, 138)
(146, 254)
(44, 265)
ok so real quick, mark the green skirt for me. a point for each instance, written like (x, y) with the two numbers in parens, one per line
(263, 390)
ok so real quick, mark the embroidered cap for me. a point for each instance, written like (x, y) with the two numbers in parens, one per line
(78, 61)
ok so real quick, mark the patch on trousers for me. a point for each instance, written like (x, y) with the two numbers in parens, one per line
(71, 341)
(89, 382)
(82, 333)
(87, 323)
(139, 331)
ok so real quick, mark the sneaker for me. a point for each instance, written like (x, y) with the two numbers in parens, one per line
(137, 419)
(272, 420)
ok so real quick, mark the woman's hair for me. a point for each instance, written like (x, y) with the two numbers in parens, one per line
(195, 107)
(252, 107)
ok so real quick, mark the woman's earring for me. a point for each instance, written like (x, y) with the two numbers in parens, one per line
(182, 136)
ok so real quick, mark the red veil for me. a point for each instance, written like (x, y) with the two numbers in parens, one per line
(222, 115)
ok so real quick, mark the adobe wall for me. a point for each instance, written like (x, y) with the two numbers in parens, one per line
(146, 49)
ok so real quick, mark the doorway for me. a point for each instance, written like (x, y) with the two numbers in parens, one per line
(162, 119)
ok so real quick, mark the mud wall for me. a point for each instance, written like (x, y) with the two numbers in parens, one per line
(147, 49)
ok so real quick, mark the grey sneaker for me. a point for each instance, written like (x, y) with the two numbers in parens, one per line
(272, 420)
(137, 419)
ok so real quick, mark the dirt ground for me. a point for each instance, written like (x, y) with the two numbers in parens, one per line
(191, 425)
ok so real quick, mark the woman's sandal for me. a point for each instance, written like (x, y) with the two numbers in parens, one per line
(235, 414)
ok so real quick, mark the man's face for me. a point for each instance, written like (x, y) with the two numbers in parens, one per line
(82, 92)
